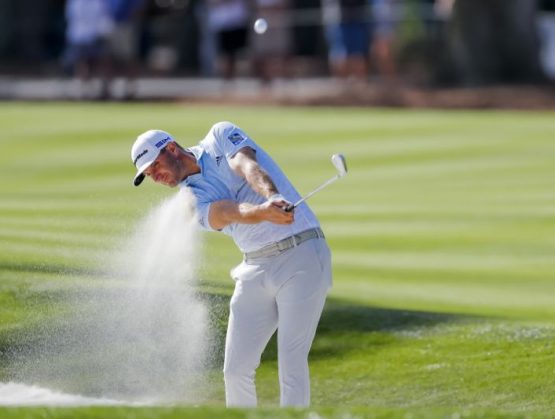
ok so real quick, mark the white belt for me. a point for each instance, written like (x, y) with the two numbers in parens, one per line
(276, 248)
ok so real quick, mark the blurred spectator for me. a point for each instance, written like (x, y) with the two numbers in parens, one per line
(207, 43)
(32, 36)
(546, 26)
(495, 41)
(31, 29)
(89, 24)
(229, 22)
(308, 38)
(444, 8)
(124, 42)
(271, 49)
(346, 26)
(383, 37)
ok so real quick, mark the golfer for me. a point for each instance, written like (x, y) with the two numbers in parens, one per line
(285, 274)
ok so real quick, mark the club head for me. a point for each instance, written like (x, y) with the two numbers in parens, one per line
(338, 160)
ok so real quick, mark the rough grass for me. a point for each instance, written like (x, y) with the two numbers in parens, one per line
(442, 237)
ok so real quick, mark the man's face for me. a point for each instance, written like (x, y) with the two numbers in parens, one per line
(165, 169)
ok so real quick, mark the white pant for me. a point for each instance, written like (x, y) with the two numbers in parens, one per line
(286, 292)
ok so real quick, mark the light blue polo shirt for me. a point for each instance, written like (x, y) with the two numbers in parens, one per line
(217, 181)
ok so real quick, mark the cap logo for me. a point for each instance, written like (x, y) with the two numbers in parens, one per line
(141, 154)
(160, 143)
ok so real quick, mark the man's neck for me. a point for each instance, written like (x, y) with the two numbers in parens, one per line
(190, 164)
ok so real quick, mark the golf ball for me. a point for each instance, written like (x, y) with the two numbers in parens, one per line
(260, 26)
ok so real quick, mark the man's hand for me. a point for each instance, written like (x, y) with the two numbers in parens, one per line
(274, 212)
(281, 202)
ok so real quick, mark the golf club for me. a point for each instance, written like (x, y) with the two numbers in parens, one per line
(338, 160)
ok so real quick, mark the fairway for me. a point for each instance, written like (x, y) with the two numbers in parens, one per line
(442, 235)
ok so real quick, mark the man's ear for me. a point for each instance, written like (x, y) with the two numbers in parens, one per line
(172, 147)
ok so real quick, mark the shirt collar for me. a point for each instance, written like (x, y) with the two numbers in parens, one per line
(198, 152)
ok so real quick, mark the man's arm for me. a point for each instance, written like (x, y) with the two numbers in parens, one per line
(225, 212)
(245, 165)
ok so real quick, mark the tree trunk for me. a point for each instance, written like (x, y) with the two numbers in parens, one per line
(495, 41)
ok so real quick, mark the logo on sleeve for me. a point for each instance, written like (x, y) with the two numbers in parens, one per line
(236, 138)
(218, 160)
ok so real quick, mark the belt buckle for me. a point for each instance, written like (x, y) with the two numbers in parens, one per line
(284, 244)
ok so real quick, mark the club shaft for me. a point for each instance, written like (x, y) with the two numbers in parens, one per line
(318, 189)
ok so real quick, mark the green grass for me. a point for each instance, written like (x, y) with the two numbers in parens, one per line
(442, 234)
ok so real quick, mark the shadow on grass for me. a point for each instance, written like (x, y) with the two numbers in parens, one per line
(343, 327)
(344, 316)
(346, 327)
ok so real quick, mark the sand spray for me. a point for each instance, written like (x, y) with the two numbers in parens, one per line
(139, 334)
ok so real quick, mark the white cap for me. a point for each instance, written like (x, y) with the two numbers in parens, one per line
(145, 150)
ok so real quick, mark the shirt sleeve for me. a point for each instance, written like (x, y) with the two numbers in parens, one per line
(203, 209)
(230, 139)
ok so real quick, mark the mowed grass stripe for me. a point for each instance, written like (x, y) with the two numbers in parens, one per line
(417, 228)
(53, 224)
(61, 205)
(440, 260)
(68, 238)
(480, 298)
(518, 233)
(67, 253)
(445, 210)
(535, 278)
(391, 148)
